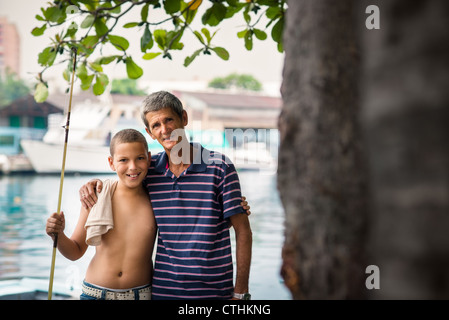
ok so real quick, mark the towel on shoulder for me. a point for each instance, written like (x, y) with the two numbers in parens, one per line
(100, 219)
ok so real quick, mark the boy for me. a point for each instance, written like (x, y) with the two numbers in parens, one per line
(122, 265)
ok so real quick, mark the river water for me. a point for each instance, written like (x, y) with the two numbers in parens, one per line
(25, 250)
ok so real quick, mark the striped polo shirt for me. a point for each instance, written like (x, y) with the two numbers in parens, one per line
(193, 258)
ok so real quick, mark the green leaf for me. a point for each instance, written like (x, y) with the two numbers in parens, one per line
(219, 10)
(276, 32)
(151, 55)
(101, 82)
(103, 78)
(89, 41)
(144, 12)
(199, 36)
(221, 52)
(96, 67)
(108, 5)
(280, 47)
(39, 31)
(71, 30)
(190, 14)
(100, 27)
(41, 92)
(81, 71)
(132, 69)
(66, 75)
(160, 37)
(249, 40)
(273, 12)
(210, 18)
(207, 34)
(54, 14)
(130, 24)
(119, 42)
(261, 35)
(88, 21)
(189, 60)
(86, 81)
(47, 56)
(242, 33)
(173, 38)
(146, 42)
(172, 6)
(97, 88)
(106, 59)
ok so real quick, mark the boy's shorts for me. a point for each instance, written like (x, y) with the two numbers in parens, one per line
(94, 292)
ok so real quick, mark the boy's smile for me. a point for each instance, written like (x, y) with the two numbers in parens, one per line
(130, 161)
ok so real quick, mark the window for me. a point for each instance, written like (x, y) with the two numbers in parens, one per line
(6, 140)
(14, 121)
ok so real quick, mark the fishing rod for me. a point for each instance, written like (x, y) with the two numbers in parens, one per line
(66, 127)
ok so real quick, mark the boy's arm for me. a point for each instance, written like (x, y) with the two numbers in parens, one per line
(74, 247)
(244, 241)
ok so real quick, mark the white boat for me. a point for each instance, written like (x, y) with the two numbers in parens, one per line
(47, 158)
(15, 163)
(254, 156)
(90, 131)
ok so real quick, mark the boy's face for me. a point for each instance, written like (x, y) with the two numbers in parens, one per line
(130, 161)
(161, 125)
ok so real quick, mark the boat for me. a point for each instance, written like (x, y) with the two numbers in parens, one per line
(12, 159)
(92, 125)
(35, 289)
(47, 158)
(16, 163)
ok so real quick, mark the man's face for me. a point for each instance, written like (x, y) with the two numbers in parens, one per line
(163, 123)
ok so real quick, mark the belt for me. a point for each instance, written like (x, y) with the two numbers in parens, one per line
(131, 294)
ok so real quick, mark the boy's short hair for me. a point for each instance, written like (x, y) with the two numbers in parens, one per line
(160, 100)
(127, 136)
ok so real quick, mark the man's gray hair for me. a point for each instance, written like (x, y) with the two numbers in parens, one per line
(160, 100)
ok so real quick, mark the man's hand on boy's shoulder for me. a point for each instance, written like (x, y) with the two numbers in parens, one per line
(88, 196)
(245, 206)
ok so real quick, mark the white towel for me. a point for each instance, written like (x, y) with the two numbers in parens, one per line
(100, 218)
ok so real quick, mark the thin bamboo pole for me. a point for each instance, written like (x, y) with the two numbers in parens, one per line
(66, 127)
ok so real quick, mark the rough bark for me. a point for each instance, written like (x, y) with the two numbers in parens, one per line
(406, 120)
(321, 174)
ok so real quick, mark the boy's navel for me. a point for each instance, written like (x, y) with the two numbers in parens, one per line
(120, 274)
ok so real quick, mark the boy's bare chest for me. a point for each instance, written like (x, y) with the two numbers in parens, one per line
(132, 217)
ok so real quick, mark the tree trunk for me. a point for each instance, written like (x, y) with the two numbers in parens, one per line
(406, 120)
(321, 174)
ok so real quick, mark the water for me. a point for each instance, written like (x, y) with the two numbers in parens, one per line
(25, 249)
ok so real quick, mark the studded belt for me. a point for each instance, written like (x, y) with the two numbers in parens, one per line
(128, 294)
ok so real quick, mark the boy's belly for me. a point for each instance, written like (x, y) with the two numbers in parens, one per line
(119, 273)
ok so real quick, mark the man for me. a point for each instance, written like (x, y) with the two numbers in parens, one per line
(195, 194)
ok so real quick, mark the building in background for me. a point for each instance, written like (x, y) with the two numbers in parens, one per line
(9, 47)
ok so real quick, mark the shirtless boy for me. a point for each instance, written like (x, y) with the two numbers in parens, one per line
(122, 265)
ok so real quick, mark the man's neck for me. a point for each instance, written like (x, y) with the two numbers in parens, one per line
(180, 158)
